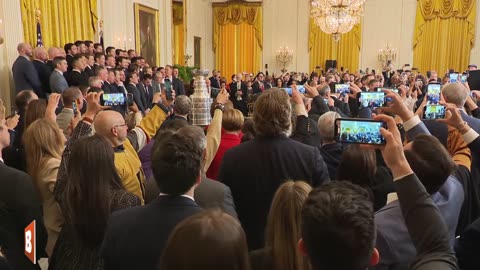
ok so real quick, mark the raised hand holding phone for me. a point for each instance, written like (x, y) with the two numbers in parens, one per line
(52, 106)
(453, 118)
(12, 122)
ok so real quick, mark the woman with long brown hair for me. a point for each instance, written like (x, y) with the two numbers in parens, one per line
(283, 230)
(44, 144)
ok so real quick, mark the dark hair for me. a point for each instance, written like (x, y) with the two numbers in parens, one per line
(357, 165)
(67, 47)
(272, 113)
(147, 76)
(118, 51)
(338, 222)
(130, 50)
(109, 48)
(176, 163)
(76, 58)
(223, 234)
(96, 45)
(88, 43)
(129, 76)
(22, 99)
(97, 55)
(57, 60)
(92, 177)
(79, 42)
(97, 69)
(432, 165)
(248, 131)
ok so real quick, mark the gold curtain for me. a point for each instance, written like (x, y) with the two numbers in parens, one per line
(444, 34)
(62, 21)
(178, 34)
(322, 47)
(237, 37)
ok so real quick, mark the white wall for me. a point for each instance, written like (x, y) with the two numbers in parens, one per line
(387, 21)
(200, 24)
(12, 32)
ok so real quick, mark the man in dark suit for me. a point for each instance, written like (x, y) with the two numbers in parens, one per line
(239, 94)
(70, 50)
(255, 169)
(58, 83)
(176, 83)
(44, 72)
(75, 76)
(19, 206)
(136, 237)
(131, 86)
(215, 79)
(25, 75)
(146, 91)
(90, 62)
(259, 85)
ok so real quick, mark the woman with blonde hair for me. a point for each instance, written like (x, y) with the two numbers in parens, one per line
(283, 230)
(44, 144)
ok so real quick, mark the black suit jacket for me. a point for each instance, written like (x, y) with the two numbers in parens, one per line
(255, 169)
(109, 88)
(89, 72)
(178, 86)
(144, 96)
(256, 87)
(137, 98)
(136, 237)
(25, 75)
(233, 91)
(44, 73)
(19, 206)
(75, 78)
(214, 82)
(69, 59)
(49, 64)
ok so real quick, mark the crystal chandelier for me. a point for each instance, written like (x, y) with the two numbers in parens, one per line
(337, 17)
(388, 54)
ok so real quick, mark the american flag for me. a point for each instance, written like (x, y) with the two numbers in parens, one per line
(39, 35)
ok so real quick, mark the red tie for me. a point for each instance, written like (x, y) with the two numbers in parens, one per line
(262, 87)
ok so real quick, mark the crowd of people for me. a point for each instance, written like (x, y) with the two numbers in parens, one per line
(267, 185)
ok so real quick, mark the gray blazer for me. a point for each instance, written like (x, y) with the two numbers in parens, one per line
(58, 83)
(209, 194)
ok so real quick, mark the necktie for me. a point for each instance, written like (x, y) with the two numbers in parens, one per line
(262, 87)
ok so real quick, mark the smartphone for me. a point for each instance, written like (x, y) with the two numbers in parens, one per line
(431, 112)
(463, 78)
(453, 77)
(114, 99)
(129, 99)
(168, 89)
(343, 89)
(365, 131)
(326, 101)
(75, 108)
(372, 100)
(300, 89)
(433, 93)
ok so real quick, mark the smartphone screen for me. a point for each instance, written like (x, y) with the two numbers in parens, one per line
(453, 77)
(464, 78)
(75, 108)
(115, 99)
(372, 99)
(433, 94)
(359, 131)
(343, 89)
(168, 89)
(300, 89)
(431, 112)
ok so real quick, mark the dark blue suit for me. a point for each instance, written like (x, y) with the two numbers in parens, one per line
(136, 237)
(44, 73)
(25, 76)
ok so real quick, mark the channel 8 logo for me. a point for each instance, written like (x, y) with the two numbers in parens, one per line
(30, 247)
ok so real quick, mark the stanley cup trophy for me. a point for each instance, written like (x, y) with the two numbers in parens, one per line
(201, 99)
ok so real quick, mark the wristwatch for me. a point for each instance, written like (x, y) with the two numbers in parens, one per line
(220, 106)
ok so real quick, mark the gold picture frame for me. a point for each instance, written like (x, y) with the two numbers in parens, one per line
(147, 36)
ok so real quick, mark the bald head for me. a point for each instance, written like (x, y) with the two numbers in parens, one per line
(39, 53)
(455, 93)
(24, 49)
(105, 121)
(54, 52)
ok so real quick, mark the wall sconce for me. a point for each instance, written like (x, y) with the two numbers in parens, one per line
(2, 39)
(187, 57)
(284, 56)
